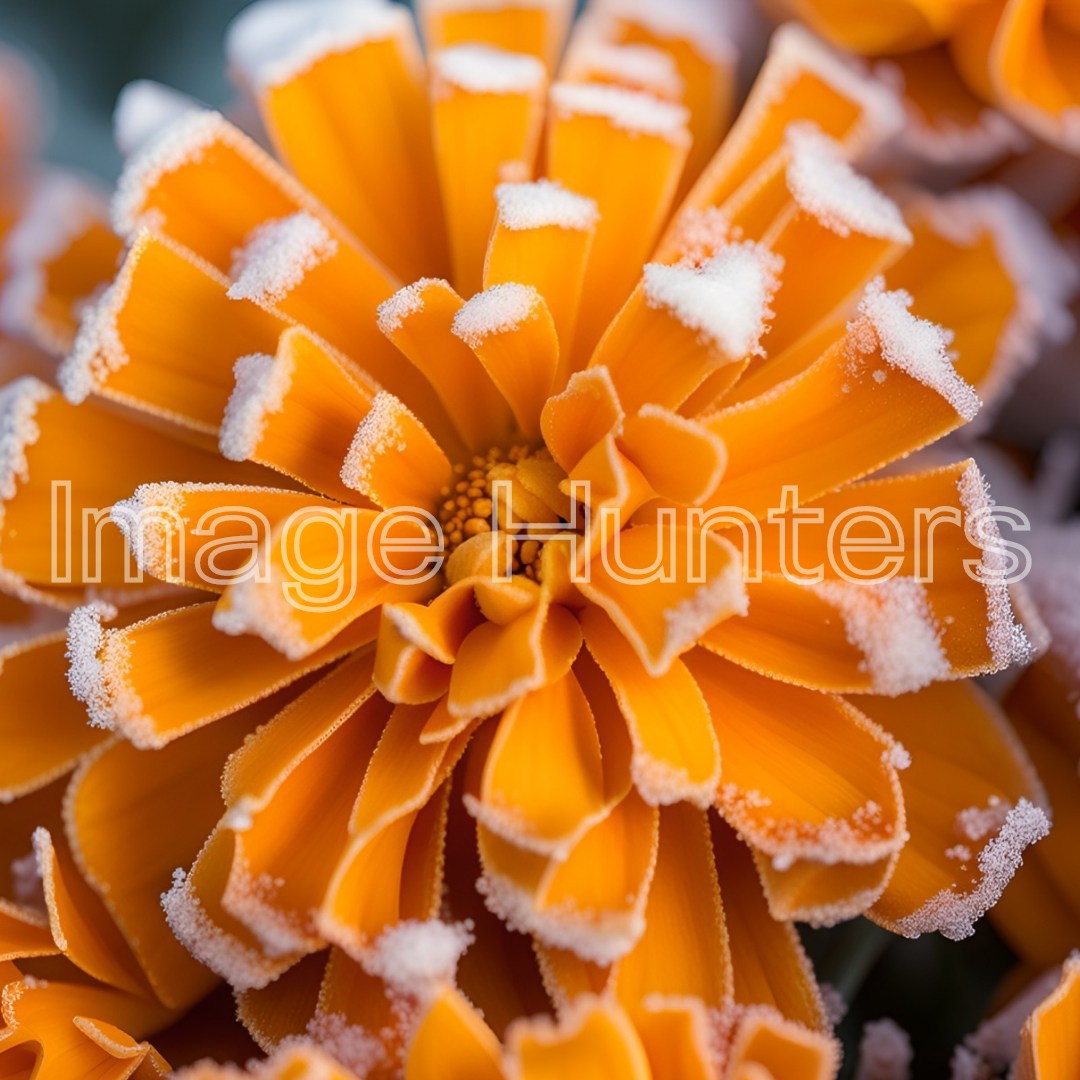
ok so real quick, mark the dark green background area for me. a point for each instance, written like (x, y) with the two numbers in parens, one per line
(86, 51)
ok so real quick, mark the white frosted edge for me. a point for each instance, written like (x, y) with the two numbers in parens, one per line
(947, 143)
(62, 209)
(261, 385)
(349, 1045)
(391, 314)
(277, 255)
(1046, 279)
(19, 402)
(379, 433)
(637, 67)
(253, 899)
(601, 937)
(826, 186)
(1006, 638)
(915, 346)
(954, 915)
(708, 25)
(885, 1052)
(417, 958)
(181, 141)
(794, 48)
(143, 108)
(722, 597)
(243, 967)
(483, 69)
(264, 611)
(274, 41)
(86, 673)
(725, 300)
(498, 310)
(544, 202)
(628, 110)
(98, 350)
(892, 625)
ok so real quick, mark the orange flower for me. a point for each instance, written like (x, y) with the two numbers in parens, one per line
(657, 770)
(1019, 54)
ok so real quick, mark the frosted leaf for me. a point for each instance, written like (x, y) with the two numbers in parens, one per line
(628, 110)
(1006, 638)
(954, 914)
(826, 186)
(261, 385)
(483, 69)
(273, 41)
(891, 624)
(884, 1052)
(143, 108)
(498, 310)
(277, 256)
(726, 299)
(416, 958)
(392, 313)
(545, 202)
(63, 208)
(915, 346)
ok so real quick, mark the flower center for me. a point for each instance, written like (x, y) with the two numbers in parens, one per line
(472, 505)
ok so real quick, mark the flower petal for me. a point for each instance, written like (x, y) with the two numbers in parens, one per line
(973, 802)
(452, 1042)
(806, 776)
(675, 752)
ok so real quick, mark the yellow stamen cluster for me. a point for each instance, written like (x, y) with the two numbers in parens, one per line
(467, 508)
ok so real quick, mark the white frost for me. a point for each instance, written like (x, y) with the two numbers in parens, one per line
(545, 202)
(726, 299)
(826, 186)
(954, 914)
(379, 433)
(482, 69)
(62, 209)
(891, 624)
(143, 108)
(884, 1052)
(628, 110)
(261, 385)
(498, 310)
(915, 346)
(273, 41)
(416, 958)
(277, 255)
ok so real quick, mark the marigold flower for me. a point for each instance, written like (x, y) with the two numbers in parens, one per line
(1019, 55)
(650, 764)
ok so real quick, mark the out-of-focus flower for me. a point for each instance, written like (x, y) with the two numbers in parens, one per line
(669, 1038)
(579, 718)
(1036, 1036)
(1019, 55)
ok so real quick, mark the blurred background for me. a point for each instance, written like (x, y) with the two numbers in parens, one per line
(88, 49)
